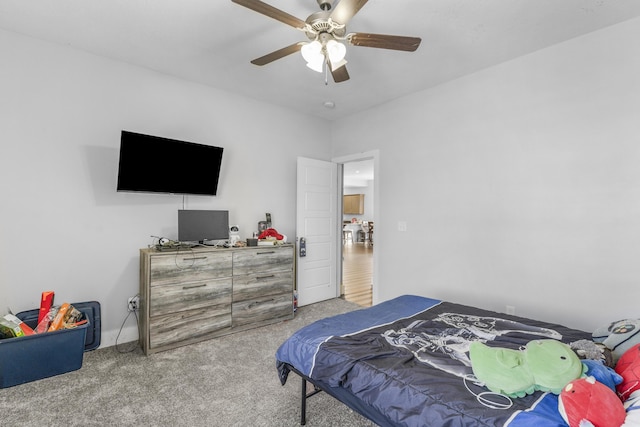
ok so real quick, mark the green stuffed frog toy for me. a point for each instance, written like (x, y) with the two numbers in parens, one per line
(546, 365)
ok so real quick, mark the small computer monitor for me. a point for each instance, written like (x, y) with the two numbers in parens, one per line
(203, 225)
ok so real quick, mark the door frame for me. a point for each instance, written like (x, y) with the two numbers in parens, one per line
(341, 160)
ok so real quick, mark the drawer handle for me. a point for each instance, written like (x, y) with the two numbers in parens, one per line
(265, 277)
(266, 253)
(257, 303)
(194, 258)
(194, 286)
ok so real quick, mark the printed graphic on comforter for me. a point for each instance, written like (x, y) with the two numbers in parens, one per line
(452, 334)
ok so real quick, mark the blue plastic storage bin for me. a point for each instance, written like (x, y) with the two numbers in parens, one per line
(90, 310)
(34, 357)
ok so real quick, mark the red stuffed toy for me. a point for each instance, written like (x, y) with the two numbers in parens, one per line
(586, 401)
(270, 232)
(628, 367)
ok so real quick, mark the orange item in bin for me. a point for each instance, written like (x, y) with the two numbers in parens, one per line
(58, 321)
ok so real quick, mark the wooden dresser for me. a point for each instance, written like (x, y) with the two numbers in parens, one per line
(196, 294)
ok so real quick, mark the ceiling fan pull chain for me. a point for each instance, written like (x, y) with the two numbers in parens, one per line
(326, 73)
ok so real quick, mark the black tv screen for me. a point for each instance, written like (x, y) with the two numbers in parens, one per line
(202, 225)
(161, 165)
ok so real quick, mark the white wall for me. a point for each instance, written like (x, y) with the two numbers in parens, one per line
(520, 184)
(64, 227)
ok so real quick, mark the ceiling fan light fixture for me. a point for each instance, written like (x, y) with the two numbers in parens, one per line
(312, 51)
(336, 51)
(316, 65)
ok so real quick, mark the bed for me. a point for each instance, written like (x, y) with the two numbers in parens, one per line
(405, 362)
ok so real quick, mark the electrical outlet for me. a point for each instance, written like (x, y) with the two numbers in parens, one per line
(133, 304)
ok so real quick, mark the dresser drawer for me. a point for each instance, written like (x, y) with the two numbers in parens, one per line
(253, 261)
(173, 298)
(259, 285)
(262, 309)
(188, 325)
(187, 266)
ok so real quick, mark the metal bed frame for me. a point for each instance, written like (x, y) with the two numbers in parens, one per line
(340, 394)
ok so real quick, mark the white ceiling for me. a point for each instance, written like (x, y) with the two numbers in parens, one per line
(212, 41)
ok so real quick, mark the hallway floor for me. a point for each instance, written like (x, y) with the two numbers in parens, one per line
(357, 273)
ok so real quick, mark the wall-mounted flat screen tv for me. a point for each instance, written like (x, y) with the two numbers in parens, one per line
(154, 164)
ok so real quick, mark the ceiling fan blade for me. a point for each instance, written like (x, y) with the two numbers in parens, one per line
(271, 12)
(277, 54)
(340, 74)
(384, 41)
(345, 10)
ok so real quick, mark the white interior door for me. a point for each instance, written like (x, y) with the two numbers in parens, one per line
(317, 201)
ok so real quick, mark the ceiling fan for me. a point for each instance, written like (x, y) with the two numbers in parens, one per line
(326, 30)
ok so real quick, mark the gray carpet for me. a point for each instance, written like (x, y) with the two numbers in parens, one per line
(227, 381)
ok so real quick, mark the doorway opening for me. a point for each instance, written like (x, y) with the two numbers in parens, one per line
(358, 226)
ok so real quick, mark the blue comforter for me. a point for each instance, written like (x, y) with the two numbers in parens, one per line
(406, 362)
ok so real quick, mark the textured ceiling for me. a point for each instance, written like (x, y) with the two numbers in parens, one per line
(212, 42)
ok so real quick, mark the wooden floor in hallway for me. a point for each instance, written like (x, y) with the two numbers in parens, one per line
(357, 273)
